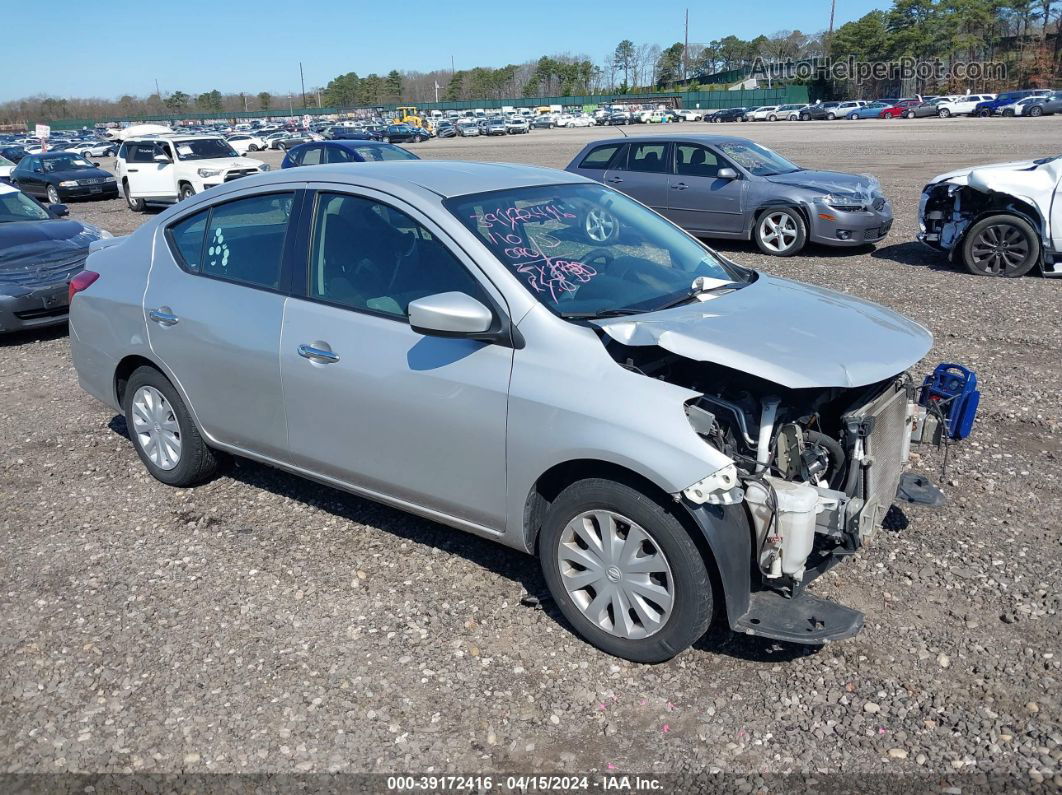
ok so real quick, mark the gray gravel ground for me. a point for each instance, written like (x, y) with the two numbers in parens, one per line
(261, 623)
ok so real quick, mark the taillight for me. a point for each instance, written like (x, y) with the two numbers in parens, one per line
(79, 283)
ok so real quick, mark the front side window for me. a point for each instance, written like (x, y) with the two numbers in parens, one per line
(651, 157)
(311, 156)
(692, 160)
(240, 241)
(584, 250)
(369, 256)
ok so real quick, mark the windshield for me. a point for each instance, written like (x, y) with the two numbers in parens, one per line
(384, 152)
(585, 250)
(69, 162)
(758, 160)
(17, 206)
(203, 149)
(5, 162)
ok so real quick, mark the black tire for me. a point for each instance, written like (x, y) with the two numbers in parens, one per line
(690, 583)
(387, 139)
(1036, 110)
(795, 219)
(944, 113)
(136, 205)
(909, 114)
(772, 117)
(196, 462)
(1009, 237)
(984, 113)
(805, 117)
(186, 191)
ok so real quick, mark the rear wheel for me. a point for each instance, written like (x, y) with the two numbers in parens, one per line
(624, 571)
(944, 113)
(1001, 245)
(830, 117)
(772, 117)
(909, 114)
(984, 113)
(780, 232)
(163, 433)
(805, 117)
(1036, 110)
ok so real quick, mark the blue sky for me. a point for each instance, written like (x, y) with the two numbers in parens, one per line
(122, 46)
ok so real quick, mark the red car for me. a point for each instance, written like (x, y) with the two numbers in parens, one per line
(897, 110)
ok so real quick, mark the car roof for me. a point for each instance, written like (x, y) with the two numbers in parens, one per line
(445, 178)
(697, 138)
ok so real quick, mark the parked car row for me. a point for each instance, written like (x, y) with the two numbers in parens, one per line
(1030, 102)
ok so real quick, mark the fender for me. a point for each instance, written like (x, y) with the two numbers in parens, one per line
(728, 533)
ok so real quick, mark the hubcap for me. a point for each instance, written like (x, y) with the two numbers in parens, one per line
(600, 225)
(156, 428)
(616, 574)
(1000, 249)
(778, 231)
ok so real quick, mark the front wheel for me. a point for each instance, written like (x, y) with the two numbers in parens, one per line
(136, 205)
(805, 117)
(780, 232)
(909, 115)
(1001, 245)
(944, 113)
(830, 117)
(53, 194)
(387, 139)
(187, 191)
(624, 571)
(772, 117)
(163, 433)
(983, 114)
(1036, 110)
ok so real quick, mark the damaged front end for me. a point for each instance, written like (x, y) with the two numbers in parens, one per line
(815, 470)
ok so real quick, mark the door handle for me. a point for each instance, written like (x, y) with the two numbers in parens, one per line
(319, 355)
(680, 186)
(163, 316)
(614, 179)
(132, 170)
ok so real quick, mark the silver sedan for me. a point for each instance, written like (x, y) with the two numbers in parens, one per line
(526, 355)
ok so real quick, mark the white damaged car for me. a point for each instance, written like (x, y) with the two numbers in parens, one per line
(998, 220)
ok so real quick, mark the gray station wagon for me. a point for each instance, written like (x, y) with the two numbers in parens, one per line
(728, 187)
(523, 354)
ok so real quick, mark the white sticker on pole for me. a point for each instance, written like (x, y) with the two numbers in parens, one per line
(43, 131)
(306, 120)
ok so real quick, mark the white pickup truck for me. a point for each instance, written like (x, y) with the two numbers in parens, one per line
(164, 170)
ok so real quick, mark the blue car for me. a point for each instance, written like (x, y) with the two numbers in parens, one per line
(871, 111)
(989, 107)
(332, 152)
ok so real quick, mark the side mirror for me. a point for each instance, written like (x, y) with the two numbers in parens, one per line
(449, 315)
(97, 165)
(59, 210)
(158, 159)
(726, 173)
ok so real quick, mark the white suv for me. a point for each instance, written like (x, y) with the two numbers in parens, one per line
(165, 170)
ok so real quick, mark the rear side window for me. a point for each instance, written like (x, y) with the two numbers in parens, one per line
(600, 157)
(651, 157)
(240, 241)
(186, 236)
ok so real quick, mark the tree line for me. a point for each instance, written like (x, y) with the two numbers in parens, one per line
(1024, 34)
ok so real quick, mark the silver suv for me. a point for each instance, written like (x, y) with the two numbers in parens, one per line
(523, 354)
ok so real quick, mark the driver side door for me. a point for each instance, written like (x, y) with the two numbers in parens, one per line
(698, 200)
(371, 403)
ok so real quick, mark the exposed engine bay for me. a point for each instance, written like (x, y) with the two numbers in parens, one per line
(817, 468)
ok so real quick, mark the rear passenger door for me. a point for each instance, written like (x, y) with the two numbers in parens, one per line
(643, 174)
(214, 306)
(698, 199)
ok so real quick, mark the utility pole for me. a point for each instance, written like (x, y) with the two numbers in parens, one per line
(157, 92)
(302, 80)
(829, 33)
(453, 69)
(686, 48)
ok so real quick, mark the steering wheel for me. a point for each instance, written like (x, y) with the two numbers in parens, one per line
(601, 255)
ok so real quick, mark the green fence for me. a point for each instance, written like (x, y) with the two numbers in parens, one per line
(704, 100)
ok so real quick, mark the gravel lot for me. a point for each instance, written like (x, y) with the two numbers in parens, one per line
(261, 623)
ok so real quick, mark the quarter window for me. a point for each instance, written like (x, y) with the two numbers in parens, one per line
(648, 157)
(187, 237)
(369, 256)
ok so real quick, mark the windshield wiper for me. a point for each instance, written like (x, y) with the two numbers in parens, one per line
(697, 290)
(618, 312)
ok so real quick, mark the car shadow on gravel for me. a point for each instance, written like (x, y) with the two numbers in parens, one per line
(916, 254)
(29, 336)
(730, 246)
(505, 561)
